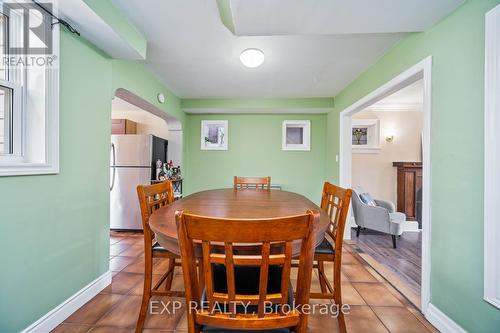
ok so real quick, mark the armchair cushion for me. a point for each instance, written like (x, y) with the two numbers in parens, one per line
(386, 204)
(367, 199)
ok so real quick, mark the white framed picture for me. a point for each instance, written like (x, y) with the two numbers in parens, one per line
(296, 135)
(214, 134)
(365, 135)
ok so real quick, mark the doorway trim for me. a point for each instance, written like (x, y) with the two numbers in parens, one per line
(421, 70)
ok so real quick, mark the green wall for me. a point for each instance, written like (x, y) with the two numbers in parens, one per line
(55, 228)
(457, 47)
(54, 237)
(254, 149)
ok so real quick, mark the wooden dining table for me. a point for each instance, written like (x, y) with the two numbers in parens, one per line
(235, 204)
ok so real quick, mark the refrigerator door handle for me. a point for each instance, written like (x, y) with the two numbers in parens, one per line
(113, 152)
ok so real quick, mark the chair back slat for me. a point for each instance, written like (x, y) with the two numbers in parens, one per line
(264, 271)
(287, 265)
(263, 183)
(335, 201)
(208, 274)
(231, 288)
(226, 242)
(151, 198)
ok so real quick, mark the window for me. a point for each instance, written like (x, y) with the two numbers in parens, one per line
(29, 92)
(365, 135)
(296, 135)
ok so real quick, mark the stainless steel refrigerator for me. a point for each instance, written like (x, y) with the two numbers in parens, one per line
(133, 159)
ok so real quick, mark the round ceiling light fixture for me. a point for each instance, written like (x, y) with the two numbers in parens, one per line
(252, 58)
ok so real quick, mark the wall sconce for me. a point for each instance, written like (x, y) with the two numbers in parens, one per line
(389, 138)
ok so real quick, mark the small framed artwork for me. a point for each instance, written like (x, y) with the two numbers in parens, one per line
(296, 135)
(365, 135)
(214, 134)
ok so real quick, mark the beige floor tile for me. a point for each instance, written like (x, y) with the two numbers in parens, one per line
(139, 286)
(399, 320)
(361, 319)
(350, 295)
(117, 248)
(357, 273)
(322, 323)
(118, 263)
(123, 282)
(182, 323)
(134, 251)
(166, 314)
(137, 266)
(71, 328)
(93, 310)
(111, 329)
(124, 314)
(376, 294)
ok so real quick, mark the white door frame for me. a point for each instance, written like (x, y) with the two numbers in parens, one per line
(492, 159)
(422, 70)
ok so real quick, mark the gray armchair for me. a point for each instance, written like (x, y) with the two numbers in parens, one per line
(378, 215)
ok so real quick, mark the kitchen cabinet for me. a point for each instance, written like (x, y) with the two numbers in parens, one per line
(123, 126)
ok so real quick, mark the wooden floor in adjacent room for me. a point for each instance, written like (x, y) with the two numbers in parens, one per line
(375, 305)
(405, 261)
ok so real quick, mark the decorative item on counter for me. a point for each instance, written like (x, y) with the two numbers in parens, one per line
(159, 165)
(176, 172)
(163, 174)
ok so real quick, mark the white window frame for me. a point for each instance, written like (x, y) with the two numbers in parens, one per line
(373, 141)
(20, 163)
(492, 159)
(306, 144)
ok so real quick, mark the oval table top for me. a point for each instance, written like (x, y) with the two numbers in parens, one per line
(237, 204)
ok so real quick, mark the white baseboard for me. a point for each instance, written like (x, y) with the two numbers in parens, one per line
(57, 315)
(441, 321)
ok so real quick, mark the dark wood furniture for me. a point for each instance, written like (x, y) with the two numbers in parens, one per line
(409, 189)
(151, 198)
(235, 204)
(223, 251)
(263, 183)
(123, 126)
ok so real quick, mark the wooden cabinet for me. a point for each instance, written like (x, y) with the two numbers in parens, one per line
(409, 189)
(123, 126)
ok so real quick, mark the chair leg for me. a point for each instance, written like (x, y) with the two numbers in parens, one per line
(146, 294)
(341, 321)
(171, 267)
(358, 231)
(321, 274)
(394, 241)
(337, 294)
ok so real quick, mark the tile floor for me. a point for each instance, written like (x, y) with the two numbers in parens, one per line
(375, 305)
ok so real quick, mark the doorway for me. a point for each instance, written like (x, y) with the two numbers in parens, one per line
(419, 72)
(144, 141)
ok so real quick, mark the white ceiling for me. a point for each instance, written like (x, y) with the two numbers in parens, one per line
(196, 56)
(410, 98)
(298, 17)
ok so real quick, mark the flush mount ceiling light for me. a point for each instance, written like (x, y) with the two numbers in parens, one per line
(252, 58)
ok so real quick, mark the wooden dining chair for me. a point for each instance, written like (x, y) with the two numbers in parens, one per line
(263, 183)
(231, 258)
(335, 201)
(151, 198)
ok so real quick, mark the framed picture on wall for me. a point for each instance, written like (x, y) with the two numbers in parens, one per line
(214, 134)
(296, 135)
(365, 135)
